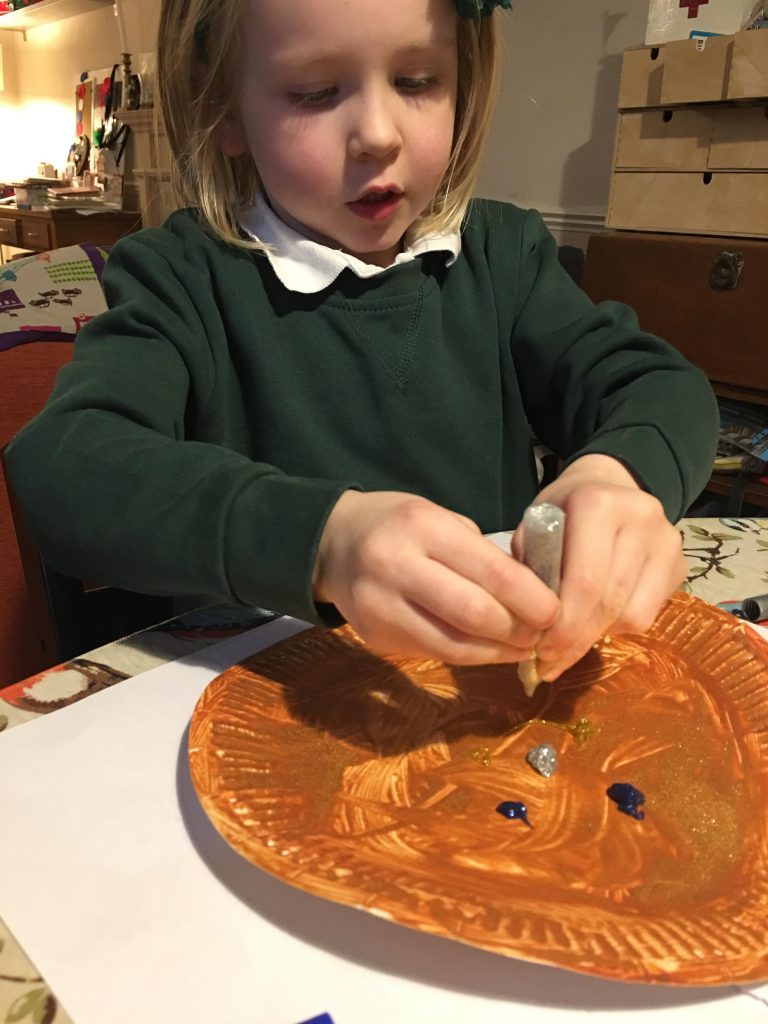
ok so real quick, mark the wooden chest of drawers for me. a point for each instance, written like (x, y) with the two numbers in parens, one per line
(40, 230)
(704, 295)
(10, 231)
(692, 138)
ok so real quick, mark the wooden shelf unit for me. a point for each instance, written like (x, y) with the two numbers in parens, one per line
(691, 153)
(151, 165)
(46, 11)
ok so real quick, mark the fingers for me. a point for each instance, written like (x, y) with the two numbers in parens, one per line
(417, 580)
(658, 580)
(615, 586)
(407, 630)
(469, 608)
(442, 562)
(511, 588)
(413, 578)
(419, 606)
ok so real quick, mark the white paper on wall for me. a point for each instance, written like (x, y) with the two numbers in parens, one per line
(676, 19)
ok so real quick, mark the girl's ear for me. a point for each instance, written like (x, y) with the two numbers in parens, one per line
(232, 138)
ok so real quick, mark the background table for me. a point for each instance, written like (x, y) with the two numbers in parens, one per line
(727, 558)
(41, 230)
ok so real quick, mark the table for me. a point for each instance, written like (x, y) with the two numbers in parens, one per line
(41, 230)
(727, 558)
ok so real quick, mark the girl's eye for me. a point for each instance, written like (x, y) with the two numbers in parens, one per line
(415, 84)
(312, 99)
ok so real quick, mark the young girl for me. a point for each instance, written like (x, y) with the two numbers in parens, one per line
(318, 387)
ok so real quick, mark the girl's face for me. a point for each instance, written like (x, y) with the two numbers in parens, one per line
(347, 108)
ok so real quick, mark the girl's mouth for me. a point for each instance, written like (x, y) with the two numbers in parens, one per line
(377, 204)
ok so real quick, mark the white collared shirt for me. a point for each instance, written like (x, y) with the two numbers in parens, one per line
(306, 266)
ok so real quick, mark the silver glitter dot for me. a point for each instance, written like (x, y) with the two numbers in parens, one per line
(543, 759)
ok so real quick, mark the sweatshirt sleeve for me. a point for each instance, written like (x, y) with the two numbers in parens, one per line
(593, 382)
(113, 484)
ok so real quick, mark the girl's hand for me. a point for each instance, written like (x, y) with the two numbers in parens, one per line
(415, 579)
(621, 559)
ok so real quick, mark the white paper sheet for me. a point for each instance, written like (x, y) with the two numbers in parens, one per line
(137, 912)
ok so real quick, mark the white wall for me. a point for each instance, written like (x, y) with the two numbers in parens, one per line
(551, 142)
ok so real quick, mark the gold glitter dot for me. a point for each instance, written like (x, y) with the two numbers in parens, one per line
(483, 756)
(581, 730)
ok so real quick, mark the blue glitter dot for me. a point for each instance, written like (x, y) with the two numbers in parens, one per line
(514, 809)
(627, 798)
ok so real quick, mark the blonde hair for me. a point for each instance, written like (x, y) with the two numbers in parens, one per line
(199, 56)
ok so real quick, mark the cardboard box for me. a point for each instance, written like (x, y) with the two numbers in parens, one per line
(696, 70)
(713, 203)
(664, 139)
(676, 19)
(749, 66)
(688, 71)
(642, 71)
(740, 138)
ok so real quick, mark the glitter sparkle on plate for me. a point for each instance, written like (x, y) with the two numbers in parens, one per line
(543, 759)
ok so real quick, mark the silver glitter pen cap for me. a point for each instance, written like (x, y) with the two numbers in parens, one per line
(543, 529)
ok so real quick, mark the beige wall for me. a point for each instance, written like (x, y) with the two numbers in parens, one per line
(9, 121)
(552, 137)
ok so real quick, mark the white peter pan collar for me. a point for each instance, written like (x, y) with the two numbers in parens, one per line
(306, 266)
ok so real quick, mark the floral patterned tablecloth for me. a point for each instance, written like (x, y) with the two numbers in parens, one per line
(727, 559)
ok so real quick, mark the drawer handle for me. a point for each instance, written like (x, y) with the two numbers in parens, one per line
(726, 272)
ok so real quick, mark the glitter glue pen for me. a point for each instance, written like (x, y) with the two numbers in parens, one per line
(543, 529)
(755, 608)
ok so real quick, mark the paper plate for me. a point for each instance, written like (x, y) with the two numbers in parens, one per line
(374, 782)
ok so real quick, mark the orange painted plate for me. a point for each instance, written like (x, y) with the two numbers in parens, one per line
(374, 782)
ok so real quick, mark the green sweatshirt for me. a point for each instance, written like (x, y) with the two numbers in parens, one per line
(211, 418)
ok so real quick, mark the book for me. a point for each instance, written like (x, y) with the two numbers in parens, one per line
(746, 428)
(732, 459)
(64, 191)
(88, 200)
(36, 181)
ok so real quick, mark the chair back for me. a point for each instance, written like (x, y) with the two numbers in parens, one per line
(27, 375)
(45, 617)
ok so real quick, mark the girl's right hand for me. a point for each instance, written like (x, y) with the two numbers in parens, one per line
(415, 579)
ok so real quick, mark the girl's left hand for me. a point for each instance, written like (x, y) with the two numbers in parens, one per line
(622, 559)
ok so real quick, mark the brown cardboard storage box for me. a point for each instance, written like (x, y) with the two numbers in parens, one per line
(740, 137)
(690, 160)
(664, 139)
(641, 73)
(696, 70)
(688, 71)
(749, 66)
(712, 203)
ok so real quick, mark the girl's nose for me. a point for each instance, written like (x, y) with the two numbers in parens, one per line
(374, 132)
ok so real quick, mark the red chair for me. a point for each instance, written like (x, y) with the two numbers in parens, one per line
(27, 644)
(45, 617)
